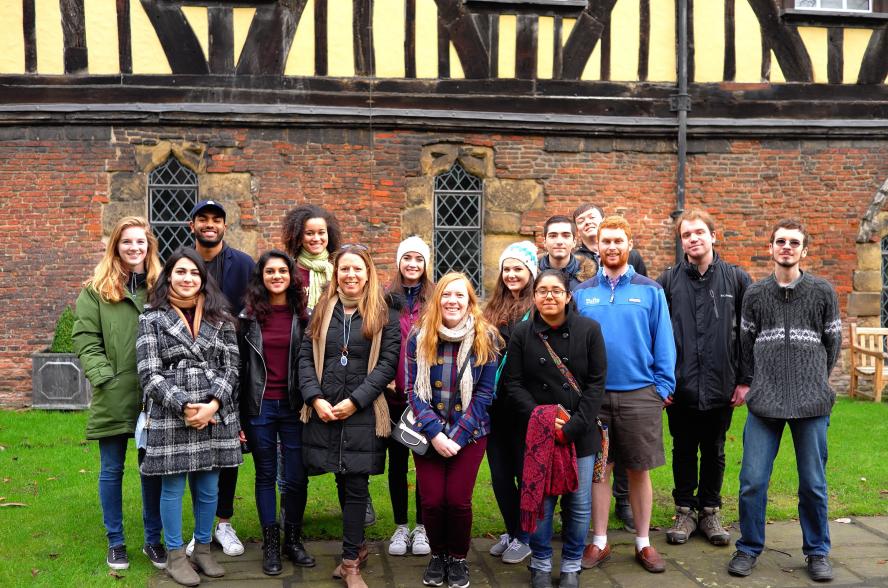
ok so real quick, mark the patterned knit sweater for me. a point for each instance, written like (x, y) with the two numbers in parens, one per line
(790, 338)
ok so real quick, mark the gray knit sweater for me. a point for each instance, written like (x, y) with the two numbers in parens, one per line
(790, 340)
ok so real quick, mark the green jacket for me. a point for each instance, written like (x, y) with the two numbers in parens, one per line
(105, 341)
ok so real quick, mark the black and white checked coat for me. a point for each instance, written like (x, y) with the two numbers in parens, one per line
(174, 370)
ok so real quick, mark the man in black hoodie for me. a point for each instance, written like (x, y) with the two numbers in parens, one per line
(704, 294)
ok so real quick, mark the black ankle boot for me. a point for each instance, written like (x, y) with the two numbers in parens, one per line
(271, 550)
(294, 549)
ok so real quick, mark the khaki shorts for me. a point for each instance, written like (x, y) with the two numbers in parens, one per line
(635, 427)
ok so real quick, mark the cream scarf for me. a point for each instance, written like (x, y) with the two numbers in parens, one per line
(464, 333)
(320, 273)
(380, 407)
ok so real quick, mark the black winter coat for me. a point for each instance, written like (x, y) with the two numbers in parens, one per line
(350, 446)
(705, 313)
(253, 371)
(533, 379)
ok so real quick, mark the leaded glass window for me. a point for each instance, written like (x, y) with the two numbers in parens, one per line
(172, 193)
(457, 226)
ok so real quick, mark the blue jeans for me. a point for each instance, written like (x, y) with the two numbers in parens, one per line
(576, 512)
(112, 456)
(761, 440)
(206, 487)
(278, 422)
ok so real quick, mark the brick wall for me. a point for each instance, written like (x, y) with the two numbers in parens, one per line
(54, 182)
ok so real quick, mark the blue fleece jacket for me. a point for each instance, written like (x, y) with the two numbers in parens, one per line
(637, 330)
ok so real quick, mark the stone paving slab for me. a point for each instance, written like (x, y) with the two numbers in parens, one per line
(860, 559)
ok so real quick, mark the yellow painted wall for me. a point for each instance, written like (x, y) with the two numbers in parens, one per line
(661, 60)
(545, 47)
(815, 39)
(199, 20)
(507, 39)
(101, 36)
(148, 55)
(50, 45)
(340, 40)
(855, 42)
(624, 40)
(747, 43)
(242, 18)
(12, 39)
(456, 70)
(301, 60)
(389, 21)
(709, 41)
(426, 39)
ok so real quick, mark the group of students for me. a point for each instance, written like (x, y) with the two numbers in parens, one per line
(311, 368)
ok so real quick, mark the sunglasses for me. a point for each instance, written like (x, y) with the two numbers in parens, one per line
(794, 243)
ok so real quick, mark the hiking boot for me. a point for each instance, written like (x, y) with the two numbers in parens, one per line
(683, 527)
(435, 571)
(117, 558)
(819, 568)
(350, 573)
(457, 573)
(593, 556)
(227, 538)
(516, 553)
(741, 564)
(271, 550)
(540, 579)
(711, 526)
(293, 547)
(156, 554)
(624, 515)
(419, 541)
(180, 570)
(499, 548)
(569, 580)
(400, 541)
(202, 557)
(369, 514)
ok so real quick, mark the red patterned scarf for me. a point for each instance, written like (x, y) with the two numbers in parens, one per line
(550, 469)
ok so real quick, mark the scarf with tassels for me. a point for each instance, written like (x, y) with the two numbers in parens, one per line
(179, 304)
(320, 273)
(380, 406)
(464, 334)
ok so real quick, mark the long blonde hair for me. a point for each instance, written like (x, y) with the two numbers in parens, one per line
(372, 306)
(487, 340)
(109, 277)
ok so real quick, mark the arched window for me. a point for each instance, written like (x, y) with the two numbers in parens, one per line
(172, 193)
(457, 228)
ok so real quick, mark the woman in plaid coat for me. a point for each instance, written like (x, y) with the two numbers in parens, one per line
(188, 364)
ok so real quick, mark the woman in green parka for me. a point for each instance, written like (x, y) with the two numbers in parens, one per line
(105, 330)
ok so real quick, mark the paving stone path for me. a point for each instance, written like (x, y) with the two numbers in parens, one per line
(860, 558)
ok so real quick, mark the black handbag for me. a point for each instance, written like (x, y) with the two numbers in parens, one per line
(403, 431)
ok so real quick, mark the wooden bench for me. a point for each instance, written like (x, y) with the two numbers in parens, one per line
(868, 356)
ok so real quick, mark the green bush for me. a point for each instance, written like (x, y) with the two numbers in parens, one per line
(61, 340)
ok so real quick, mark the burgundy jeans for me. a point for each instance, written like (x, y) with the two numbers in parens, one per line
(446, 485)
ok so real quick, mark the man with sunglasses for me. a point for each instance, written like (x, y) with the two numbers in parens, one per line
(791, 335)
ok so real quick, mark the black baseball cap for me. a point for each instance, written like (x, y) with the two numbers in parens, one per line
(207, 204)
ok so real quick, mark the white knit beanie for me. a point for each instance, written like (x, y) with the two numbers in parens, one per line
(415, 244)
(523, 251)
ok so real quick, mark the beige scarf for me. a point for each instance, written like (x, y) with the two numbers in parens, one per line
(320, 272)
(196, 302)
(464, 334)
(380, 407)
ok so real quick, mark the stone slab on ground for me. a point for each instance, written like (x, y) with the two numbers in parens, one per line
(860, 559)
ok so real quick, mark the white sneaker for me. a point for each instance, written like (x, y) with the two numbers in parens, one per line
(419, 541)
(227, 538)
(400, 541)
(189, 549)
(500, 548)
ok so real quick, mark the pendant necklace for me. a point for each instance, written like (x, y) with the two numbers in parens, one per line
(346, 334)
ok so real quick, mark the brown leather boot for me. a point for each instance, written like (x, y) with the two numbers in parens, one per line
(363, 554)
(350, 573)
(203, 558)
(180, 570)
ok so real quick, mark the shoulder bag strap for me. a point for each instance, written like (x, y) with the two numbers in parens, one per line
(572, 382)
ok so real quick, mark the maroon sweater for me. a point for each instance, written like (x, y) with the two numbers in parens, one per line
(276, 349)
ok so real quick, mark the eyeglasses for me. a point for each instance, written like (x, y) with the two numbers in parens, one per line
(794, 243)
(556, 293)
(354, 246)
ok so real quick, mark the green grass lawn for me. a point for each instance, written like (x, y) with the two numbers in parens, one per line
(57, 538)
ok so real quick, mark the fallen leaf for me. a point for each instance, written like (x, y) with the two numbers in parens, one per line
(6, 480)
(34, 572)
(116, 575)
(2, 498)
(52, 478)
(862, 479)
(844, 521)
(82, 472)
(885, 491)
(2, 447)
(13, 504)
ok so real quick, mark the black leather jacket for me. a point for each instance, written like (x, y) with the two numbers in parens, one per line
(253, 372)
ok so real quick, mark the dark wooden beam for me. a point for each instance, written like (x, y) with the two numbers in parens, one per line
(462, 29)
(585, 35)
(270, 37)
(558, 49)
(605, 66)
(362, 29)
(221, 25)
(74, 36)
(835, 57)
(692, 55)
(785, 41)
(526, 47)
(180, 44)
(644, 38)
(124, 37)
(443, 51)
(320, 27)
(766, 58)
(730, 69)
(29, 31)
(409, 38)
(493, 43)
(874, 66)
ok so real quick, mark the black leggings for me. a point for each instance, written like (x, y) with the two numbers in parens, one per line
(399, 462)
